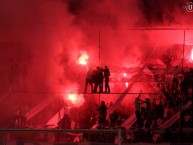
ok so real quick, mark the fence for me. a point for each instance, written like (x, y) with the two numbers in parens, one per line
(55, 136)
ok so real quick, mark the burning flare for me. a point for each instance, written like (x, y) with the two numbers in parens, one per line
(83, 59)
(125, 75)
(192, 54)
(75, 99)
(72, 97)
(126, 84)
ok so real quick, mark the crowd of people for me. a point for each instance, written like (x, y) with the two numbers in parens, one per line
(150, 113)
(175, 97)
(96, 77)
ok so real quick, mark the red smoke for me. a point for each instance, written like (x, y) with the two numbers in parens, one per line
(45, 38)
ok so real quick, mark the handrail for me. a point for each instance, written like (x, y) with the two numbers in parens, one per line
(68, 131)
(57, 130)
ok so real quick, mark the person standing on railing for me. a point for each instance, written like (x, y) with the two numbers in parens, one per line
(106, 76)
(98, 80)
(89, 80)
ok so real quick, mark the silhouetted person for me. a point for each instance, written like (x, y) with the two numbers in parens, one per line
(148, 106)
(157, 110)
(113, 119)
(106, 76)
(98, 80)
(102, 114)
(119, 121)
(175, 79)
(64, 123)
(187, 82)
(89, 80)
(137, 111)
(148, 116)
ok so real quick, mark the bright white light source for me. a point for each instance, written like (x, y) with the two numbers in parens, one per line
(192, 54)
(83, 58)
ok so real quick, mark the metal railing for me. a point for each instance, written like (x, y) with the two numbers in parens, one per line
(45, 135)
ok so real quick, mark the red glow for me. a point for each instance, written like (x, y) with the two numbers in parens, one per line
(125, 74)
(72, 97)
(126, 84)
(192, 54)
(83, 58)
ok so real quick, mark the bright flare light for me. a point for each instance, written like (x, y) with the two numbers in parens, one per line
(192, 54)
(83, 58)
(72, 97)
(125, 74)
(126, 84)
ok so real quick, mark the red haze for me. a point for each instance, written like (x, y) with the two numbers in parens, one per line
(44, 39)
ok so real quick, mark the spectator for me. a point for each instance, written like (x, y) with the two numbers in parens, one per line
(98, 79)
(138, 112)
(89, 80)
(102, 114)
(175, 80)
(113, 119)
(106, 76)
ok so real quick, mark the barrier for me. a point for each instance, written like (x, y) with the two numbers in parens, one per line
(90, 137)
(55, 136)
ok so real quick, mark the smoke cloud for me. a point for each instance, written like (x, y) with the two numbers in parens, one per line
(45, 37)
